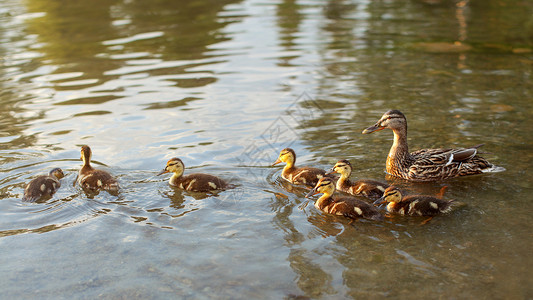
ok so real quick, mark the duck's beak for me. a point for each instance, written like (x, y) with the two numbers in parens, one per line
(276, 162)
(163, 172)
(311, 193)
(380, 201)
(331, 171)
(373, 128)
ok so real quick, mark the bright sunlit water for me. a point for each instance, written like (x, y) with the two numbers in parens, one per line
(225, 85)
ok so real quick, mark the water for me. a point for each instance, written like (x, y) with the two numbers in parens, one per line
(225, 85)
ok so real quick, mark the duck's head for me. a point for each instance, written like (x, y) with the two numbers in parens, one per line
(391, 194)
(342, 167)
(57, 173)
(324, 186)
(393, 119)
(286, 155)
(174, 165)
(86, 154)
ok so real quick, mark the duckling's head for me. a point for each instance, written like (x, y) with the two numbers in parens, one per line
(174, 165)
(57, 173)
(392, 194)
(325, 186)
(86, 154)
(286, 155)
(393, 119)
(342, 167)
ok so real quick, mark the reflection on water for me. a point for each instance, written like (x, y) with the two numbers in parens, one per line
(225, 85)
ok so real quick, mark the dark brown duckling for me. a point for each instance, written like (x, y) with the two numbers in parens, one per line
(305, 175)
(43, 186)
(342, 206)
(427, 164)
(196, 182)
(367, 188)
(94, 179)
(414, 205)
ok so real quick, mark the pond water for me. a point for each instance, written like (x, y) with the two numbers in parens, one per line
(225, 85)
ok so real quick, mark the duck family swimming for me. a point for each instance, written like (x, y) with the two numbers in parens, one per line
(421, 165)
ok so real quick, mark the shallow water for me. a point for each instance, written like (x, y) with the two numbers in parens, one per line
(225, 85)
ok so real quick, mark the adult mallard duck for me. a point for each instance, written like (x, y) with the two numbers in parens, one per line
(196, 182)
(43, 186)
(427, 164)
(304, 175)
(349, 207)
(367, 188)
(414, 205)
(94, 179)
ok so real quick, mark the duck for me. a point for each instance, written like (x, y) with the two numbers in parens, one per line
(94, 179)
(414, 205)
(197, 182)
(346, 206)
(367, 188)
(302, 176)
(43, 186)
(427, 164)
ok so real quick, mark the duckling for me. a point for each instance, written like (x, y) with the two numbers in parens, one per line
(414, 205)
(43, 186)
(305, 175)
(427, 164)
(367, 188)
(196, 182)
(94, 179)
(342, 206)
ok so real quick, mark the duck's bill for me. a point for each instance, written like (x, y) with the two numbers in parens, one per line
(276, 162)
(380, 201)
(311, 193)
(331, 171)
(163, 172)
(373, 128)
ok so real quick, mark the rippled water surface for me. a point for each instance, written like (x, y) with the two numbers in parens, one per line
(225, 85)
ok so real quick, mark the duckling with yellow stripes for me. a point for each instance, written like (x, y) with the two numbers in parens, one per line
(367, 188)
(305, 175)
(43, 186)
(196, 182)
(349, 207)
(414, 205)
(94, 179)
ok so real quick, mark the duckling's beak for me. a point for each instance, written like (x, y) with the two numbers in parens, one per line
(373, 128)
(163, 172)
(311, 193)
(331, 171)
(276, 162)
(380, 201)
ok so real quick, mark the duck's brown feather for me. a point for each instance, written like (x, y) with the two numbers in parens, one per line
(349, 207)
(198, 182)
(41, 186)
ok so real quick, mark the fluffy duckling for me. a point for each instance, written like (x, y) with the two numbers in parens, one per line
(43, 186)
(305, 175)
(94, 179)
(427, 164)
(367, 188)
(414, 205)
(342, 206)
(196, 182)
